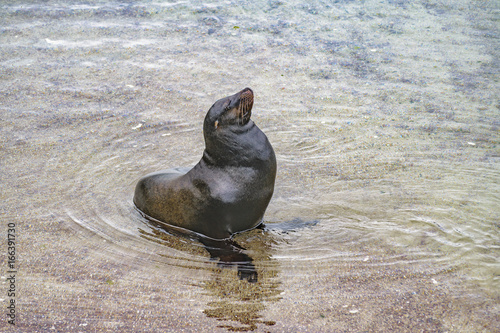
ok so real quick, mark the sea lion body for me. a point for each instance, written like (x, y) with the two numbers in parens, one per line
(229, 189)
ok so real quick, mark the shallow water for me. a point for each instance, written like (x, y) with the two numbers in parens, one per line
(384, 116)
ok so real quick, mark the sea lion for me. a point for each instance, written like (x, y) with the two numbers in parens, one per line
(229, 189)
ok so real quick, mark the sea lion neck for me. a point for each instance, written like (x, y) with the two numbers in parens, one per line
(233, 145)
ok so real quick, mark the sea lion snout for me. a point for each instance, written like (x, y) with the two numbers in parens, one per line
(244, 109)
(246, 96)
(247, 91)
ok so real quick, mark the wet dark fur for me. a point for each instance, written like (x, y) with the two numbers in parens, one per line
(229, 189)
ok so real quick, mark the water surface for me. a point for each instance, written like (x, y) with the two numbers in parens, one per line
(384, 116)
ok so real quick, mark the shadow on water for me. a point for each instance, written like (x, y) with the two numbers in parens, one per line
(239, 301)
(226, 251)
(230, 254)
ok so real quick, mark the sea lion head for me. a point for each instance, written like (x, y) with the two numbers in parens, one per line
(231, 138)
(232, 112)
